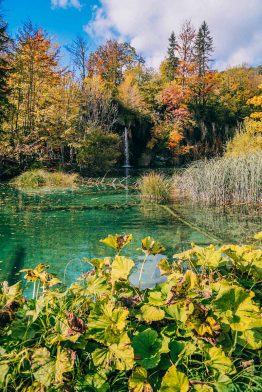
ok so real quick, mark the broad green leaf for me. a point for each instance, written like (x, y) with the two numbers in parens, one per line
(138, 381)
(202, 388)
(174, 381)
(147, 345)
(151, 313)
(121, 268)
(151, 247)
(235, 307)
(120, 356)
(180, 311)
(106, 324)
(219, 362)
(118, 242)
(180, 349)
(96, 382)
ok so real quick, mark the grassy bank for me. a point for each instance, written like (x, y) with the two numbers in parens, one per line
(236, 180)
(154, 187)
(43, 178)
(194, 332)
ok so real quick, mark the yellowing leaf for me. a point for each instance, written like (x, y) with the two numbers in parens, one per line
(174, 381)
(138, 381)
(121, 268)
(152, 313)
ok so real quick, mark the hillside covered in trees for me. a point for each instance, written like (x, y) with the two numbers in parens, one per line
(56, 115)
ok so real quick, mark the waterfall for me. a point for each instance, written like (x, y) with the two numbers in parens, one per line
(127, 163)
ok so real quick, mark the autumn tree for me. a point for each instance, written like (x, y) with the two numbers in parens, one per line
(79, 52)
(186, 51)
(34, 78)
(110, 61)
(4, 69)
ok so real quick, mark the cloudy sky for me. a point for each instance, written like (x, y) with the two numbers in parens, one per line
(236, 25)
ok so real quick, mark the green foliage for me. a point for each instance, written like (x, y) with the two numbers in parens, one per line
(227, 180)
(99, 152)
(200, 330)
(154, 186)
(42, 178)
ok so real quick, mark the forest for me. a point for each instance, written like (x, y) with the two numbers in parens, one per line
(74, 116)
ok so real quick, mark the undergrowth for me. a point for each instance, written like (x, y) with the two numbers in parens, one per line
(154, 186)
(200, 330)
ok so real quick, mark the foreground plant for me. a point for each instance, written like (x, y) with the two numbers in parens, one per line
(200, 330)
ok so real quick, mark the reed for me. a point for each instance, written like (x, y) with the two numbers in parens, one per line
(220, 181)
(155, 187)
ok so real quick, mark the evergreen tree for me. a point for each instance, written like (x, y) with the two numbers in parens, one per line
(203, 49)
(4, 68)
(172, 59)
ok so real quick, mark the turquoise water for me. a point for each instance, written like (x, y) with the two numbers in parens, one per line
(59, 228)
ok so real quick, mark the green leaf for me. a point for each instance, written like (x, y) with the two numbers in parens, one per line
(258, 236)
(106, 324)
(118, 242)
(152, 313)
(180, 311)
(202, 388)
(235, 307)
(121, 268)
(174, 381)
(147, 345)
(120, 356)
(151, 247)
(219, 362)
(138, 381)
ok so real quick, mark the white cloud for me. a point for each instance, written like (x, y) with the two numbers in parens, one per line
(235, 25)
(66, 3)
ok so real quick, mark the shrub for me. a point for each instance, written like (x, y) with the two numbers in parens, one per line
(224, 180)
(193, 332)
(247, 141)
(100, 151)
(41, 178)
(154, 186)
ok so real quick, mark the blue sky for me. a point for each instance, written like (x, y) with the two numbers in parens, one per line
(235, 24)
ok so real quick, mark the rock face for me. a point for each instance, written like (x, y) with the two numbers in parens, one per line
(145, 159)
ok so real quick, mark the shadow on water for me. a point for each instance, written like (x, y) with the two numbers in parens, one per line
(16, 264)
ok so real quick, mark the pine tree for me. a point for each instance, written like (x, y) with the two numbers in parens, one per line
(203, 49)
(172, 59)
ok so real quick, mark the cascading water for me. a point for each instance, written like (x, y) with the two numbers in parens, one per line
(127, 162)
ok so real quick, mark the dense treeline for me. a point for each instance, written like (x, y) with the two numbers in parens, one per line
(53, 115)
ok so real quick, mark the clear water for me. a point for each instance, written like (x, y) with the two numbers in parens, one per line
(59, 228)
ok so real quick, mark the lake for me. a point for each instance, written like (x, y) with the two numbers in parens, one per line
(60, 227)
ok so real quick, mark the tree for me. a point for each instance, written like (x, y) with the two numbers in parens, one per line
(186, 50)
(203, 50)
(172, 59)
(33, 83)
(79, 52)
(110, 61)
(4, 69)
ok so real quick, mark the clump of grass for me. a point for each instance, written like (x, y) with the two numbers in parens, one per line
(41, 178)
(155, 187)
(220, 181)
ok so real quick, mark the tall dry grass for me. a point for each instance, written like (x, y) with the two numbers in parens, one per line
(155, 187)
(42, 178)
(227, 180)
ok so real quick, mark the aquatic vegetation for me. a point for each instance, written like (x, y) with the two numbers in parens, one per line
(43, 178)
(200, 330)
(154, 186)
(235, 180)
